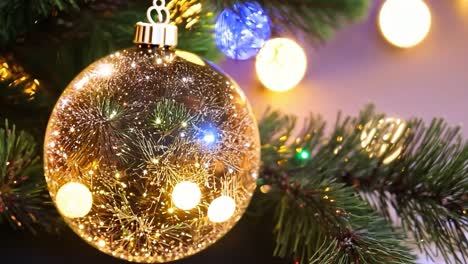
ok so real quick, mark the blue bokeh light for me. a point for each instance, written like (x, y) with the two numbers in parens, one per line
(209, 138)
(242, 31)
(208, 135)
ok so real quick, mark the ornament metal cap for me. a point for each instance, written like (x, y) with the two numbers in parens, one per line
(159, 33)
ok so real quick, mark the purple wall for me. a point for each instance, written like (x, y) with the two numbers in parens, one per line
(358, 66)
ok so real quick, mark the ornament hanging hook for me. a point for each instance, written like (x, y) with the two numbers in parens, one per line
(158, 31)
(163, 13)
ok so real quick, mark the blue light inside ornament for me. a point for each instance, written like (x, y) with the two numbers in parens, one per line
(209, 138)
(241, 31)
(208, 135)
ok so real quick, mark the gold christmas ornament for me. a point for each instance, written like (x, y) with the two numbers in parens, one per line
(151, 154)
(384, 138)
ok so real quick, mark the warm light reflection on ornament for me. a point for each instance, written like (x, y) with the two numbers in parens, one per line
(186, 195)
(405, 23)
(74, 200)
(105, 70)
(102, 243)
(281, 64)
(190, 57)
(81, 83)
(221, 209)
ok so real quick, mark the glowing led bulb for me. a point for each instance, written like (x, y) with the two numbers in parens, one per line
(281, 64)
(405, 23)
(304, 154)
(186, 195)
(74, 200)
(221, 209)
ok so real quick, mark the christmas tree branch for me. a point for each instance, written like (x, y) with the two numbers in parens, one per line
(417, 171)
(24, 200)
(18, 17)
(319, 220)
(317, 19)
(426, 186)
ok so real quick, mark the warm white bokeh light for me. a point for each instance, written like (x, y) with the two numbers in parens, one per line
(281, 64)
(186, 195)
(74, 200)
(405, 23)
(221, 209)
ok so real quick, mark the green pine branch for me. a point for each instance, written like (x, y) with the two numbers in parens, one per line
(316, 18)
(427, 186)
(169, 115)
(18, 17)
(24, 200)
(418, 171)
(319, 219)
(73, 40)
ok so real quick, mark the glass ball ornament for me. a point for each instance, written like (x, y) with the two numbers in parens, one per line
(281, 64)
(241, 32)
(405, 23)
(151, 155)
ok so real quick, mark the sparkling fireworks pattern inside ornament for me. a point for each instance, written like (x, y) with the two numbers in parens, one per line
(151, 156)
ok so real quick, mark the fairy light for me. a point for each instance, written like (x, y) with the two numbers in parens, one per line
(74, 200)
(281, 64)
(102, 243)
(209, 135)
(405, 23)
(209, 138)
(221, 209)
(186, 195)
(304, 154)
